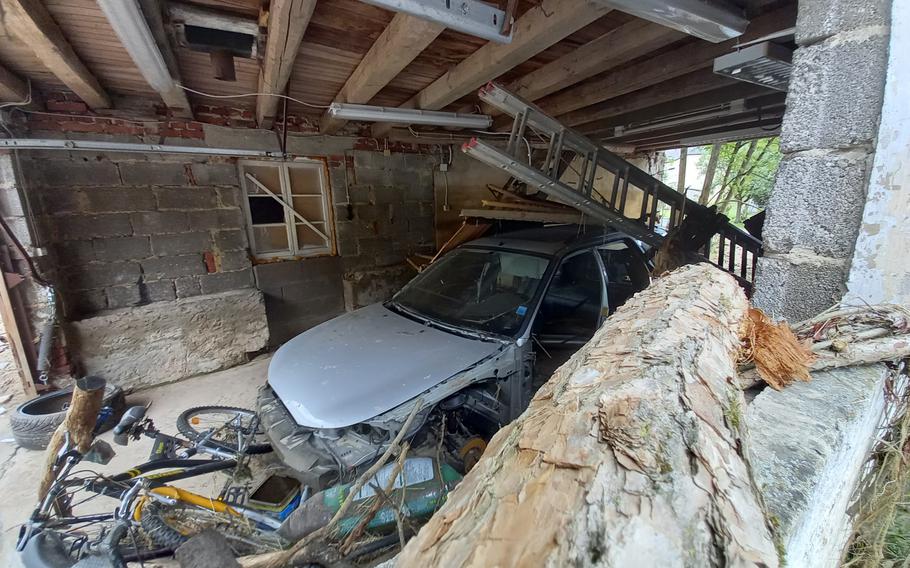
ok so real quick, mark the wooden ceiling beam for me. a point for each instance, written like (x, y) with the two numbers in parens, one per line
(288, 21)
(140, 28)
(12, 88)
(700, 81)
(33, 25)
(627, 42)
(537, 29)
(402, 40)
(693, 56)
(681, 106)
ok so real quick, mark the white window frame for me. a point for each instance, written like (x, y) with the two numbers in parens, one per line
(290, 220)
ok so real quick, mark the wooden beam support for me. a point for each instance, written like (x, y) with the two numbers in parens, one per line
(403, 39)
(135, 25)
(288, 20)
(755, 97)
(615, 47)
(692, 57)
(695, 83)
(537, 29)
(32, 24)
(12, 88)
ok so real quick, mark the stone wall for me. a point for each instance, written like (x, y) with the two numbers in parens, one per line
(809, 445)
(132, 229)
(879, 272)
(166, 341)
(828, 142)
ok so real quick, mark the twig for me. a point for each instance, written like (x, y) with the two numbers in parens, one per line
(285, 557)
(356, 533)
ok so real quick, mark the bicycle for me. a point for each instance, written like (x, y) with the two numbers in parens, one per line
(156, 517)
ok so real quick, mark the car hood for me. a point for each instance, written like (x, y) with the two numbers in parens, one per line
(361, 364)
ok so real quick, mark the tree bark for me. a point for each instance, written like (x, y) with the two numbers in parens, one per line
(709, 174)
(629, 455)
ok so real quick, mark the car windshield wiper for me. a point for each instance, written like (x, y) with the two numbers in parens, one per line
(446, 326)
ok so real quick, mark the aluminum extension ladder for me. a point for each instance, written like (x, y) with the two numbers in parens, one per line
(730, 248)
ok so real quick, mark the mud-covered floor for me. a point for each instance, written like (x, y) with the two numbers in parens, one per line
(20, 469)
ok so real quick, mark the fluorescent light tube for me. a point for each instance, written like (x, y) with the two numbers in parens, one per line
(367, 113)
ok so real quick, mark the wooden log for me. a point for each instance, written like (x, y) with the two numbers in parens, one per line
(88, 393)
(630, 455)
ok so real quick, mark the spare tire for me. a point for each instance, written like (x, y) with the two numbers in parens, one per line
(35, 420)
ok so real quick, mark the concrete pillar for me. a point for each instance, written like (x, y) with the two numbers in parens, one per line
(828, 143)
(879, 270)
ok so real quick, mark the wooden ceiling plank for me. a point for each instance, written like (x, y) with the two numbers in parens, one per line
(692, 84)
(400, 43)
(12, 88)
(288, 21)
(691, 57)
(540, 27)
(627, 42)
(32, 24)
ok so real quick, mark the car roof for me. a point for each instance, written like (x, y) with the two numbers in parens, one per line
(550, 240)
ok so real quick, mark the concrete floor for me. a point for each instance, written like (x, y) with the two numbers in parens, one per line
(20, 469)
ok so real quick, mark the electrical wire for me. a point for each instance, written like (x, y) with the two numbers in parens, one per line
(243, 95)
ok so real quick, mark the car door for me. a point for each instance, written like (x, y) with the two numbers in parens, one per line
(626, 270)
(572, 305)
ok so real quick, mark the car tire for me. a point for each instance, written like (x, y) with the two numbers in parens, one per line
(34, 421)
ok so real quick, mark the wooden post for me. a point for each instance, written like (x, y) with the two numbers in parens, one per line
(631, 453)
(88, 393)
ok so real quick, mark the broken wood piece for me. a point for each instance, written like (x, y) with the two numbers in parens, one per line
(79, 423)
(631, 451)
(778, 355)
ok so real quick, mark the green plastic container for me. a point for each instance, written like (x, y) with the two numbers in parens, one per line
(424, 493)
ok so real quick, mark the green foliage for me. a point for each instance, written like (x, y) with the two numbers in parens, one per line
(744, 175)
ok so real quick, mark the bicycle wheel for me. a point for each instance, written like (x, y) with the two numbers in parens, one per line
(229, 423)
(172, 525)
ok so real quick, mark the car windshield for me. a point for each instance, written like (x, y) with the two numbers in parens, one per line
(478, 289)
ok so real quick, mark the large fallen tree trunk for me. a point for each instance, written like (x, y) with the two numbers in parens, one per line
(630, 455)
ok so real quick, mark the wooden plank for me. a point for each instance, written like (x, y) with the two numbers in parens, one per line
(12, 88)
(288, 20)
(30, 21)
(535, 216)
(537, 29)
(692, 57)
(403, 39)
(627, 42)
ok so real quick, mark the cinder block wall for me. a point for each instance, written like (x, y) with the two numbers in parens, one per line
(828, 140)
(128, 230)
(383, 208)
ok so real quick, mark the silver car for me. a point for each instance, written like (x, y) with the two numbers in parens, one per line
(473, 337)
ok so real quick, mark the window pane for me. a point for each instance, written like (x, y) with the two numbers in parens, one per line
(307, 237)
(270, 239)
(264, 210)
(269, 176)
(305, 180)
(627, 272)
(309, 207)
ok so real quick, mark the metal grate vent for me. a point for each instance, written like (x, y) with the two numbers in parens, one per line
(766, 64)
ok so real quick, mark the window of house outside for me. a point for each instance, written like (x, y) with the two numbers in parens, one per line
(288, 208)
